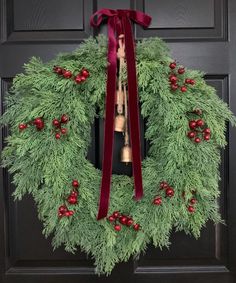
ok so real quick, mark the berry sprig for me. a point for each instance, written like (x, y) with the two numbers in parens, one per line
(67, 74)
(198, 129)
(64, 211)
(37, 122)
(192, 202)
(117, 218)
(72, 199)
(191, 207)
(175, 77)
(57, 123)
(82, 76)
(169, 191)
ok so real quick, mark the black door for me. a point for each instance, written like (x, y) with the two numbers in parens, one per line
(201, 35)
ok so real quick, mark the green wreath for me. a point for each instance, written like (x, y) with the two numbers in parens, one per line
(180, 174)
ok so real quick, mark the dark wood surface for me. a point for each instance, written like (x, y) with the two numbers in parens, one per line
(201, 35)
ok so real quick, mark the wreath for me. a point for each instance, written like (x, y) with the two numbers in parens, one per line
(50, 109)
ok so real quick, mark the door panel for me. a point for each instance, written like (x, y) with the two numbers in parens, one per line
(201, 35)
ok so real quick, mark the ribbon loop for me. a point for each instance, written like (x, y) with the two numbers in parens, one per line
(119, 22)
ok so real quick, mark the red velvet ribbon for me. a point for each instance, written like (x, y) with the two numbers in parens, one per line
(119, 22)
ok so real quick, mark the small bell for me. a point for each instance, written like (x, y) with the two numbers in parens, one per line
(126, 154)
(119, 123)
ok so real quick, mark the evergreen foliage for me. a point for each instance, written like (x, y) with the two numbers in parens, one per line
(44, 167)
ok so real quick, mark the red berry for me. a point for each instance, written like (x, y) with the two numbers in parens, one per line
(116, 214)
(78, 79)
(67, 74)
(57, 136)
(174, 87)
(183, 88)
(111, 218)
(117, 227)
(136, 227)
(192, 82)
(172, 65)
(157, 201)
(163, 185)
(192, 124)
(207, 131)
(83, 78)
(85, 73)
(191, 208)
(38, 121)
(63, 131)
(181, 71)
(67, 213)
(40, 126)
(74, 194)
(173, 79)
(62, 209)
(60, 214)
(72, 199)
(22, 126)
(191, 135)
(170, 192)
(123, 220)
(56, 122)
(71, 212)
(58, 70)
(129, 222)
(200, 123)
(197, 140)
(64, 119)
(207, 137)
(193, 201)
(187, 81)
(75, 183)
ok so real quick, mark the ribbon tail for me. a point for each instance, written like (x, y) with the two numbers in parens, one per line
(133, 109)
(109, 122)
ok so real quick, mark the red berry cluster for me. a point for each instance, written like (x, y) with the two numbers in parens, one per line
(79, 78)
(169, 191)
(64, 211)
(174, 78)
(82, 76)
(57, 124)
(37, 122)
(192, 202)
(157, 200)
(124, 220)
(72, 199)
(191, 207)
(198, 129)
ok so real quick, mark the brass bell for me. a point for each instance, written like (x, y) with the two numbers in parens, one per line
(126, 154)
(119, 123)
